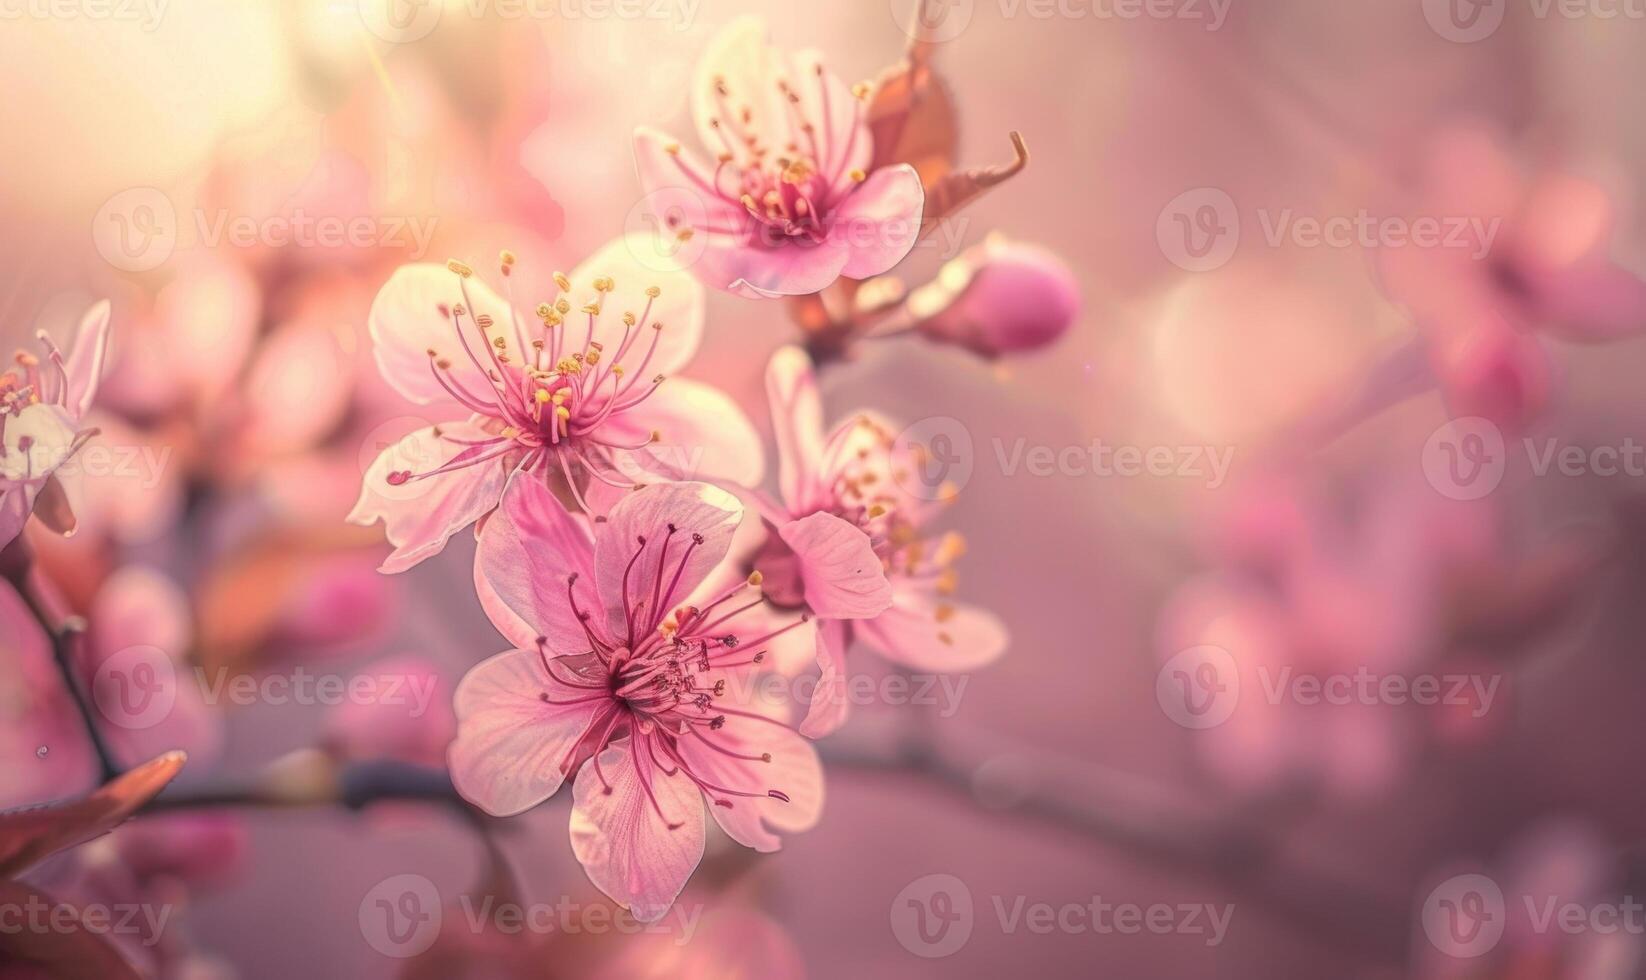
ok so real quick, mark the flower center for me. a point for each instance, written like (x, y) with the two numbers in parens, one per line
(662, 680)
(548, 393)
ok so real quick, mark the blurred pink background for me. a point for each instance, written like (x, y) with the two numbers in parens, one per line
(247, 362)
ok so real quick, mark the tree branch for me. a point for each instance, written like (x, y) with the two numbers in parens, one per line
(17, 566)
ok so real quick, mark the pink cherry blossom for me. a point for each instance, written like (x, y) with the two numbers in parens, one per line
(788, 206)
(42, 403)
(1537, 262)
(619, 679)
(574, 391)
(848, 544)
(1002, 297)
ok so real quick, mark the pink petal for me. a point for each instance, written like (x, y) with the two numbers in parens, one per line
(678, 307)
(740, 59)
(638, 857)
(512, 748)
(16, 503)
(673, 174)
(829, 706)
(421, 515)
(914, 634)
(880, 221)
(1598, 302)
(85, 361)
(797, 419)
(529, 548)
(704, 435)
(844, 578)
(794, 771)
(761, 272)
(406, 323)
(693, 509)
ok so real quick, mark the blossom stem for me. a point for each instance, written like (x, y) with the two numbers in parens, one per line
(19, 568)
(1238, 852)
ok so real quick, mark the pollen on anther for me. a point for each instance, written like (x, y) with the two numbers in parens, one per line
(459, 268)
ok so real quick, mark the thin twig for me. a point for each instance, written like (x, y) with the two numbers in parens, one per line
(18, 567)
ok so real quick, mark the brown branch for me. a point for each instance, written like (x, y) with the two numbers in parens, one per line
(65, 633)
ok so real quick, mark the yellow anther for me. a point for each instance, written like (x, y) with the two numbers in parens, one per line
(459, 268)
(653, 292)
(543, 396)
(561, 281)
(629, 319)
(755, 578)
(544, 309)
(858, 175)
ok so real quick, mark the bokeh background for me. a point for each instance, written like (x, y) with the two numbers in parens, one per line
(135, 146)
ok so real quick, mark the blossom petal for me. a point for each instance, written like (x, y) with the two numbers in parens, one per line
(421, 515)
(830, 705)
(736, 83)
(880, 221)
(85, 361)
(406, 323)
(921, 633)
(797, 419)
(759, 271)
(513, 748)
(794, 771)
(529, 548)
(693, 509)
(844, 578)
(32, 834)
(668, 327)
(639, 854)
(677, 175)
(37, 441)
(703, 434)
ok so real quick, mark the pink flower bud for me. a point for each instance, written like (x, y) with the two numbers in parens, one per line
(1002, 297)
